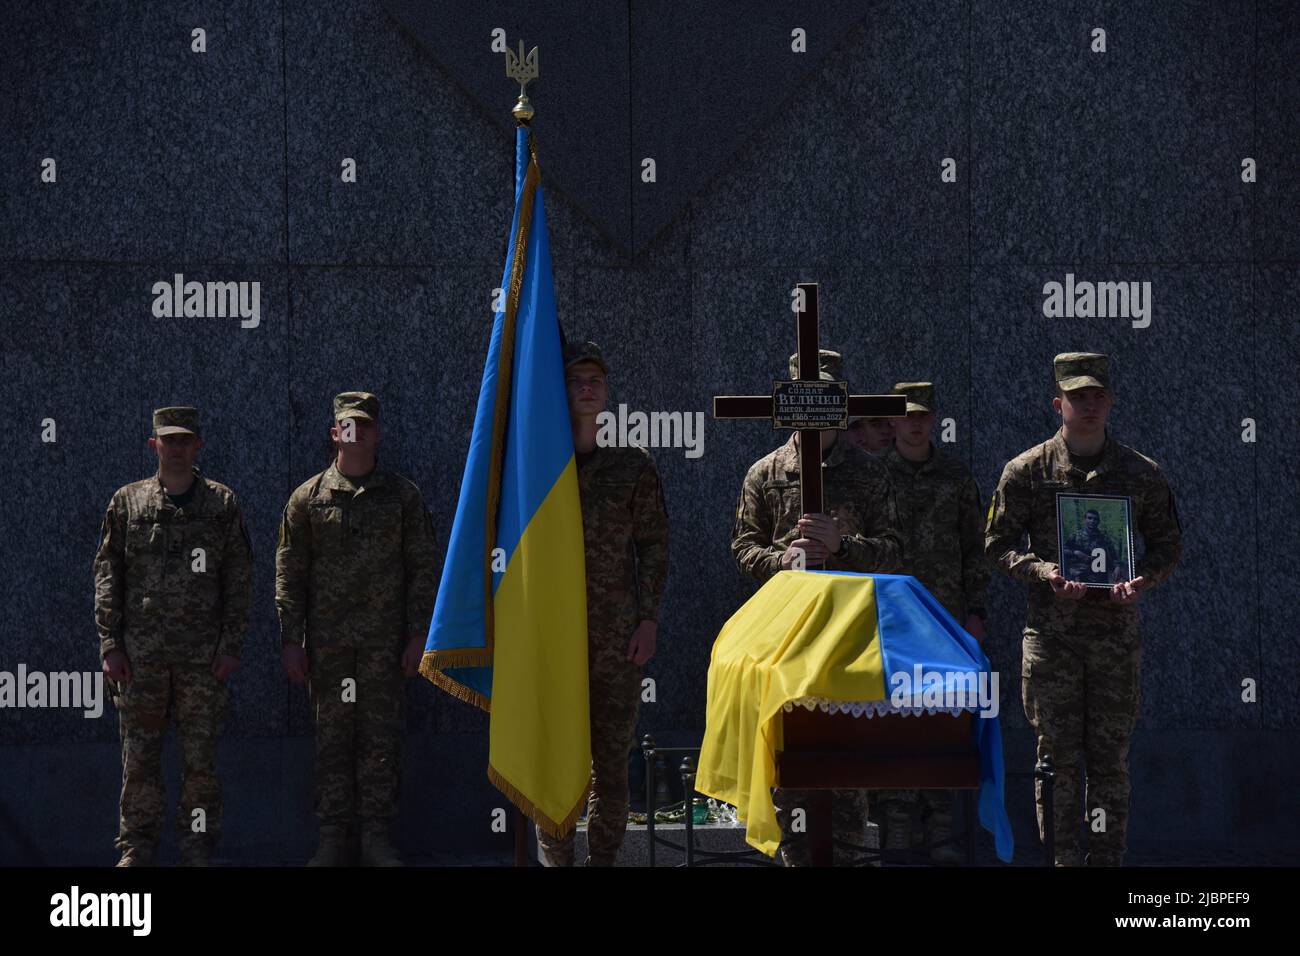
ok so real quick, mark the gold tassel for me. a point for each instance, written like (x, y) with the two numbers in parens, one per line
(530, 810)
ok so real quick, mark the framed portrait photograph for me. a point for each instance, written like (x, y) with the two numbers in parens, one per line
(1095, 535)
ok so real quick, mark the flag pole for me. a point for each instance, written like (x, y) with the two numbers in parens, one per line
(522, 69)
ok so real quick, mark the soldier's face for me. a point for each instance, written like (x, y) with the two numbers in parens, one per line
(878, 433)
(1091, 521)
(1084, 409)
(585, 383)
(176, 452)
(356, 435)
(914, 430)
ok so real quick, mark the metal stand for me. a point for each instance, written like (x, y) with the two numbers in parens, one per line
(693, 856)
(864, 856)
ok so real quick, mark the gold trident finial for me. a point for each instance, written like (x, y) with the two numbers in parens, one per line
(522, 69)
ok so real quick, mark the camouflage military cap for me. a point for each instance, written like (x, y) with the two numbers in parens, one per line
(176, 420)
(920, 395)
(356, 405)
(575, 352)
(832, 365)
(1082, 370)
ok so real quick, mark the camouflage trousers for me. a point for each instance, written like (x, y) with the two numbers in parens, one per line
(928, 803)
(1081, 692)
(357, 696)
(198, 702)
(615, 690)
(848, 823)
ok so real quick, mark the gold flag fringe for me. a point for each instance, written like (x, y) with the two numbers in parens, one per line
(530, 810)
(432, 663)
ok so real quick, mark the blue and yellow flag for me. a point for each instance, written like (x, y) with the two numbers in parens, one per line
(509, 630)
(865, 644)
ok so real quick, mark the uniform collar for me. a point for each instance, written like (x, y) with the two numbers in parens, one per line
(594, 460)
(787, 456)
(896, 460)
(1061, 454)
(162, 500)
(335, 480)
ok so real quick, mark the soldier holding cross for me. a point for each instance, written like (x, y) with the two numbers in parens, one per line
(855, 530)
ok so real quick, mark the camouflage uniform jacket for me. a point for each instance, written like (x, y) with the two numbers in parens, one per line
(625, 529)
(942, 523)
(157, 596)
(1025, 503)
(355, 564)
(855, 492)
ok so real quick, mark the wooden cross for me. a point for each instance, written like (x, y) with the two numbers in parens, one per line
(773, 408)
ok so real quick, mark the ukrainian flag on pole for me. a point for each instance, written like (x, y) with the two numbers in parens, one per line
(509, 629)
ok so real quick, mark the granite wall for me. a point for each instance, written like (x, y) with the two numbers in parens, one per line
(772, 167)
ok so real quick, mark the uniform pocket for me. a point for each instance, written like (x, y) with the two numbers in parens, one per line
(785, 502)
(328, 521)
(376, 527)
(204, 543)
(144, 535)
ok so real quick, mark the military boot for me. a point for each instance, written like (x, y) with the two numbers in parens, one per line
(938, 828)
(136, 856)
(376, 850)
(330, 850)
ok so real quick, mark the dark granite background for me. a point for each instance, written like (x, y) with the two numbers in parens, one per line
(773, 168)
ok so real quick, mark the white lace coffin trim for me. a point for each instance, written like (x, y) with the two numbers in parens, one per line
(869, 708)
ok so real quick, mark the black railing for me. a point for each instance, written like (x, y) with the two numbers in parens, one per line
(860, 855)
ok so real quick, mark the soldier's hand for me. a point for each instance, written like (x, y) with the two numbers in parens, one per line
(117, 667)
(1126, 592)
(1070, 590)
(975, 627)
(802, 552)
(223, 665)
(412, 655)
(295, 663)
(642, 647)
(821, 528)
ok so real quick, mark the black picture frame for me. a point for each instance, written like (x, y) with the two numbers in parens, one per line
(1071, 518)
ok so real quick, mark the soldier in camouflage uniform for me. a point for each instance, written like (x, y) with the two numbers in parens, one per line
(625, 532)
(173, 583)
(873, 435)
(1082, 646)
(354, 588)
(1079, 553)
(942, 525)
(857, 532)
